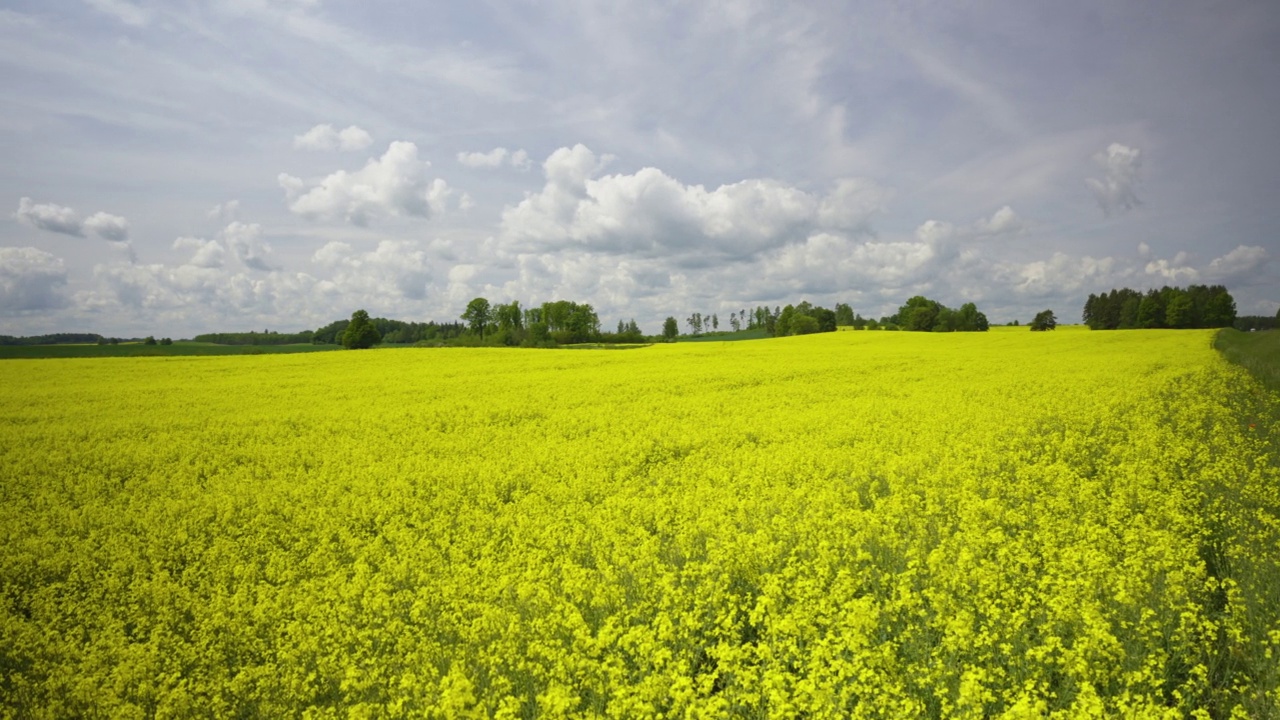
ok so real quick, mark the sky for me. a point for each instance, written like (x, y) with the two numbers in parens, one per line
(173, 167)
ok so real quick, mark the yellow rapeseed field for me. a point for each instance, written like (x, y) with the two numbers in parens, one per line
(859, 524)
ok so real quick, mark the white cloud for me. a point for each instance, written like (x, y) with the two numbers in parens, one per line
(394, 265)
(1115, 191)
(957, 243)
(1176, 271)
(495, 158)
(935, 231)
(49, 217)
(650, 214)
(65, 221)
(1003, 222)
(245, 241)
(395, 184)
(224, 212)
(1240, 262)
(325, 137)
(108, 227)
(30, 279)
(332, 254)
(203, 299)
(1062, 274)
(852, 204)
(208, 253)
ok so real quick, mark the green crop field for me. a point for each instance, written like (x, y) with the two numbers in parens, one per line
(1257, 352)
(858, 524)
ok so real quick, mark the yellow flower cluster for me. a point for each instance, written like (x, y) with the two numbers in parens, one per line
(864, 524)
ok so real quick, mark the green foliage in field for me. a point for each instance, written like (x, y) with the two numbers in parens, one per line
(360, 334)
(855, 524)
(1257, 352)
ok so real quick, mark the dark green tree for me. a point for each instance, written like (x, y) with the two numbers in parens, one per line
(478, 314)
(166, 341)
(1044, 320)
(1220, 310)
(670, 329)
(782, 325)
(509, 316)
(844, 315)
(539, 333)
(919, 314)
(803, 324)
(1151, 310)
(151, 340)
(826, 319)
(1129, 312)
(1177, 314)
(360, 333)
(969, 319)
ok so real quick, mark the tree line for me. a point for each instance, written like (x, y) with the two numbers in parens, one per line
(1196, 306)
(266, 337)
(53, 339)
(1246, 323)
(918, 314)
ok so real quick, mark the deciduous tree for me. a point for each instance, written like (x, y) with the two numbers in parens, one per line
(1044, 320)
(360, 333)
(478, 314)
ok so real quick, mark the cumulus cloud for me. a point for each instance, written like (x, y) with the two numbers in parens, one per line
(495, 158)
(49, 217)
(246, 243)
(30, 279)
(950, 242)
(651, 214)
(108, 227)
(325, 137)
(393, 265)
(1060, 274)
(395, 184)
(935, 231)
(1240, 262)
(1115, 190)
(1175, 271)
(851, 205)
(208, 253)
(1003, 222)
(65, 221)
(186, 290)
(225, 212)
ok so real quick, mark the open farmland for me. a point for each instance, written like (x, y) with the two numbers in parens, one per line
(860, 524)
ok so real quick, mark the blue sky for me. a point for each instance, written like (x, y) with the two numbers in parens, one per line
(188, 166)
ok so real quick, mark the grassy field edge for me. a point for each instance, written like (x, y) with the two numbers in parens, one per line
(1257, 352)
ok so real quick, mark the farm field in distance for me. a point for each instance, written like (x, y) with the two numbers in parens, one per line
(855, 524)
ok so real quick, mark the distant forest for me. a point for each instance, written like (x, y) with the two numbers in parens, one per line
(1197, 306)
(54, 339)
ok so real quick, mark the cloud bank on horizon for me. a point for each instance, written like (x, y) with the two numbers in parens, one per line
(280, 163)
